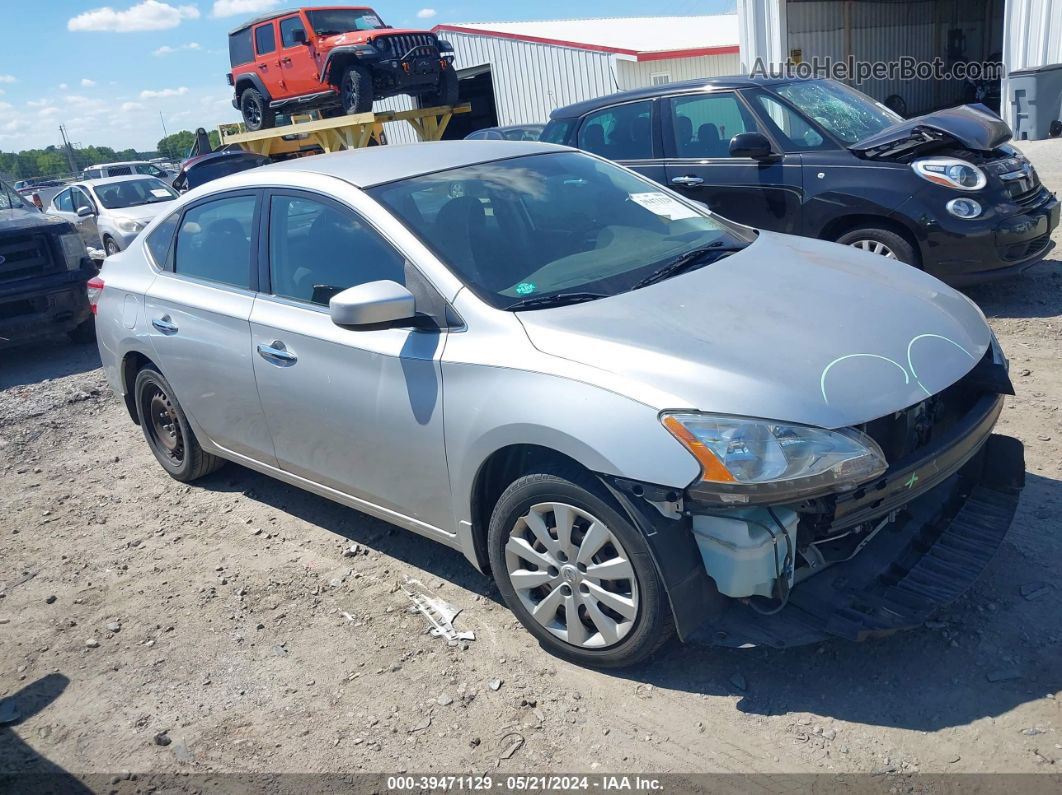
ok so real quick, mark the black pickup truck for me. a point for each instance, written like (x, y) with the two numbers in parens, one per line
(44, 267)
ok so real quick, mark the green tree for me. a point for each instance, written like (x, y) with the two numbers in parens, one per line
(176, 145)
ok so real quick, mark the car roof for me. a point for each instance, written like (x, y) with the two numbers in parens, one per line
(285, 11)
(376, 165)
(118, 163)
(649, 92)
(94, 183)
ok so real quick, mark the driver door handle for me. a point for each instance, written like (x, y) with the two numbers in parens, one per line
(687, 181)
(164, 325)
(276, 353)
(285, 59)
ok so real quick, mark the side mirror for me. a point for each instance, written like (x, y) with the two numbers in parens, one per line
(751, 144)
(371, 304)
(298, 36)
(84, 212)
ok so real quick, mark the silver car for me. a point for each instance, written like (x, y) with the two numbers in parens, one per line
(110, 212)
(639, 417)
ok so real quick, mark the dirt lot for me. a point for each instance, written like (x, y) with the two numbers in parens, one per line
(149, 626)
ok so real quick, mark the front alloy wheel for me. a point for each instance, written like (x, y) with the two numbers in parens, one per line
(576, 570)
(573, 575)
(874, 247)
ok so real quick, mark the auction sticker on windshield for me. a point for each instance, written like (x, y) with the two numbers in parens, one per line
(162, 194)
(663, 205)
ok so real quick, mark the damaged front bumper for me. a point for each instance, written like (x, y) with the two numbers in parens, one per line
(941, 520)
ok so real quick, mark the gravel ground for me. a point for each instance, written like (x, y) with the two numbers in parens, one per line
(227, 627)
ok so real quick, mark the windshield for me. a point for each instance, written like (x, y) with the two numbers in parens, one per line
(848, 114)
(551, 224)
(330, 21)
(9, 198)
(134, 192)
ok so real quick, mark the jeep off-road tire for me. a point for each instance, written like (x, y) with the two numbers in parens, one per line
(355, 91)
(257, 115)
(447, 92)
(167, 431)
(562, 550)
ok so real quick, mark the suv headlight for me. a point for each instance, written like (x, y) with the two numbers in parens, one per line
(950, 172)
(130, 226)
(74, 250)
(747, 460)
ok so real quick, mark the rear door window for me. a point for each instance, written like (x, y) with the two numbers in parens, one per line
(265, 39)
(702, 125)
(214, 241)
(623, 132)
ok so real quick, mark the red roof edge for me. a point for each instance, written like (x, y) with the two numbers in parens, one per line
(638, 55)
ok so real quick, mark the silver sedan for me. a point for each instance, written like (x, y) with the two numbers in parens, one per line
(637, 416)
(109, 213)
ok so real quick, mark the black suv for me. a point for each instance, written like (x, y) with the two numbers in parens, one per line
(44, 268)
(942, 191)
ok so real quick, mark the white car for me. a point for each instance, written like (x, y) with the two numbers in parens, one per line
(128, 168)
(109, 213)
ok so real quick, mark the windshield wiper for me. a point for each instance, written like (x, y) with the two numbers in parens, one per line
(560, 299)
(688, 261)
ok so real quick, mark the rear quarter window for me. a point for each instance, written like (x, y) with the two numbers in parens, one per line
(240, 51)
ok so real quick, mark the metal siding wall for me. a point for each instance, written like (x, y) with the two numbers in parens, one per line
(530, 79)
(636, 74)
(1033, 33)
(885, 31)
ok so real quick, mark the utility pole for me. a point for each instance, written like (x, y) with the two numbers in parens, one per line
(164, 133)
(69, 151)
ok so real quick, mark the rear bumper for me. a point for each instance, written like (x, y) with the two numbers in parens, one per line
(43, 307)
(933, 552)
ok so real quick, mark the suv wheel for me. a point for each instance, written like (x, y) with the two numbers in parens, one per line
(883, 242)
(576, 572)
(355, 92)
(167, 431)
(257, 114)
(445, 93)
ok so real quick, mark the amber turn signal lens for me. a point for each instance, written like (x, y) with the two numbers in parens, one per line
(711, 467)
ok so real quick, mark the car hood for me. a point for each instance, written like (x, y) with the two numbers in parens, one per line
(788, 329)
(362, 36)
(969, 126)
(20, 220)
(141, 212)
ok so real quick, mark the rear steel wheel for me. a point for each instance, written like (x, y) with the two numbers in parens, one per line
(164, 426)
(573, 575)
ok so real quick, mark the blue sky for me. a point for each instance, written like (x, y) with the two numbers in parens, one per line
(107, 69)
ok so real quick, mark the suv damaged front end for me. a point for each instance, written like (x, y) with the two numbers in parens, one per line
(882, 525)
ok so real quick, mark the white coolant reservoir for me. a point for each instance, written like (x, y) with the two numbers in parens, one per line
(739, 552)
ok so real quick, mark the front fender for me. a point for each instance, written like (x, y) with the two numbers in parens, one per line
(489, 408)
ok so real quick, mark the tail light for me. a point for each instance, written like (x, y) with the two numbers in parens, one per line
(94, 288)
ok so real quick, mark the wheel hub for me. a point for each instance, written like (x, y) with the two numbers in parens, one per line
(573, 575)
(165, 428)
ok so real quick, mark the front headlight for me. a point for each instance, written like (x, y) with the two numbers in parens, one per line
(130, 226)
(748, 460)
(950, 172)
(73, 250)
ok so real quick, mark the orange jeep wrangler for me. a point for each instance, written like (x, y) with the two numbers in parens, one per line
(336, 59)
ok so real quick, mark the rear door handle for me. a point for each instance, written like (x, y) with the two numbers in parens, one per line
(164, 325)
(276, 353)
(689, 182)
(285, 59)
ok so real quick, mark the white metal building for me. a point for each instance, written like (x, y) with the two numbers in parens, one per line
(1025, 33)
(518, 72)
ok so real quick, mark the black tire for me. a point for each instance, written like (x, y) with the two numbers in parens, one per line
(257, 115)
(445, 93)
(110, 246)
(869, 237)
(83, 333)
(332, 113)
(355, 91)
(652, 625)
(181, 456)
